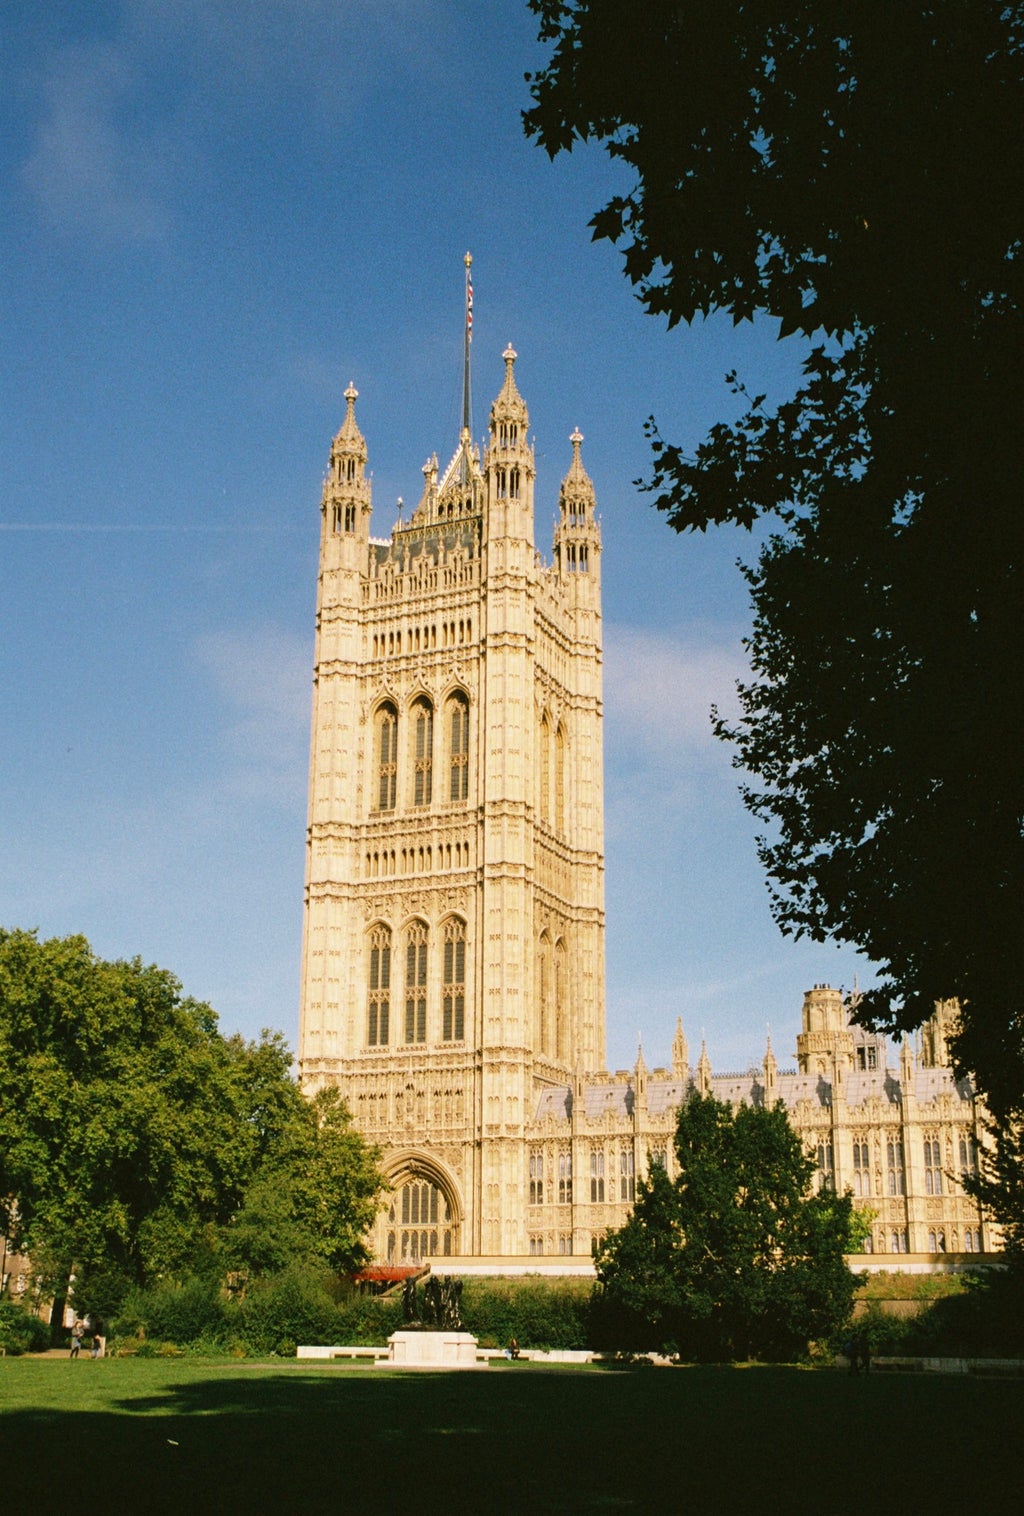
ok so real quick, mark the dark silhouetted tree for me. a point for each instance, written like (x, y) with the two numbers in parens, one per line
(862, 183)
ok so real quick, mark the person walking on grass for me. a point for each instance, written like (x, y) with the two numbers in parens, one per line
(77, 1333)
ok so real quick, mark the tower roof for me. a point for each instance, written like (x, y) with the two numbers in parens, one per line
(349, 438)
(509, 404)
(577, 485)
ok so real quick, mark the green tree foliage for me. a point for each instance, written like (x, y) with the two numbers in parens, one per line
(734, 1258)
(863, 184)
(132, 1132)
(312, 1198)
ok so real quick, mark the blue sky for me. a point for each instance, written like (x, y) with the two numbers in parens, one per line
(216, 213)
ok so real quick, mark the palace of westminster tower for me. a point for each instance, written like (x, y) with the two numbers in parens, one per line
(454, 937)
(453, 952)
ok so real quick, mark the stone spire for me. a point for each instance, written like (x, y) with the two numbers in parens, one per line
(509, 416)
(703, 1069)
(577, 484)
(680, 1052)
(771, 1072)
(640, 1075)
(350, 439)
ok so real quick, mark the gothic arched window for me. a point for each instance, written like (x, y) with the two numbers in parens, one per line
(378, 1017)
(387, 756)
(544, 767)
(423, 752)
(458, 747)
(416, 983)
(542, 1010)
(453, 992)
(560, 779)
(419, 1223)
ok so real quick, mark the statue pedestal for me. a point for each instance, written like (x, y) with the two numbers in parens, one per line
(431, 1350)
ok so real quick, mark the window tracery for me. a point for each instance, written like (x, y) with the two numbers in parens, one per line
(458, 747)
(453, 994)
(416, 983)
(379, 995)
(419, 1223)
(423, 752)
(932, 1167)
(537, 1177)
(387, 756)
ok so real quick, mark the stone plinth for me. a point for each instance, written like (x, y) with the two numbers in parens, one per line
(431, 1350)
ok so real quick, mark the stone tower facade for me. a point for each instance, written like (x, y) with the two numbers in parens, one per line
(453, 955)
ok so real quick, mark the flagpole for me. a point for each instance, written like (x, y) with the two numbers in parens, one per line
(466, 419)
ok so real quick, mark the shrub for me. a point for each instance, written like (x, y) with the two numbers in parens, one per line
(178, 1313)
(20, 1331)
(368, 1320)
(293, 1306)
(536, 1312)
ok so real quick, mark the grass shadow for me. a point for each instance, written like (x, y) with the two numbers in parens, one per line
(221, 1437)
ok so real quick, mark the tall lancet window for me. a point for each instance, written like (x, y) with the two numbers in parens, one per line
(543, 1009)
(560, 1029)
(560, 779)
(545, 769)
(458, 734)
(416, 983)
(379, 1010)
(423, 752)
(387, 757)
(453, 995)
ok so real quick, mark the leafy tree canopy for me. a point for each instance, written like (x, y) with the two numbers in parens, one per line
(734, 1258)
(132, 1132)
(863, 184)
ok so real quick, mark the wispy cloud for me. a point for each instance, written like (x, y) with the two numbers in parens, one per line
(88, 170)
(659, 690)
(262, 679)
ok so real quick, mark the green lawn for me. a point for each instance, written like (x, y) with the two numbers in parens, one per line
(140, 1435)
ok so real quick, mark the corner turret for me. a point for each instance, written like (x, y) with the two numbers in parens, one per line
(577, 545)
(345, 502)
(826, 1032)
(509, 461)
